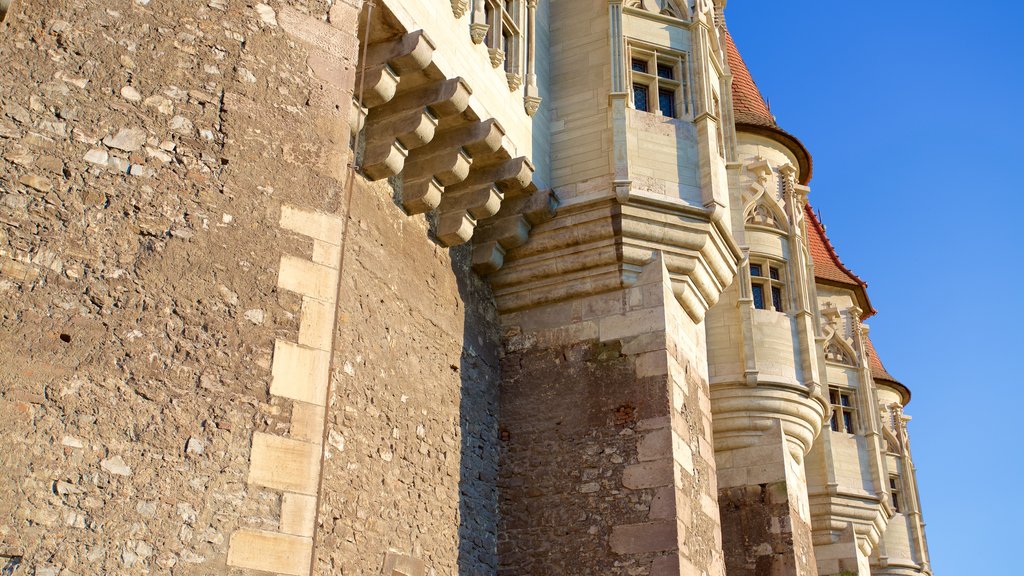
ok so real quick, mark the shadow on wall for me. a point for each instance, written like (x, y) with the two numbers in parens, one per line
(5, 5)
(479, 375)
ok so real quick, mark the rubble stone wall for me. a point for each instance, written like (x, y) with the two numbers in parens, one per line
(148, 149)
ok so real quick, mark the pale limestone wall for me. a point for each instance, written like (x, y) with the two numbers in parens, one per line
(725, 338)
(775, 341)
(663, 156)
(579, 59)
(457, 56)
(662, 152)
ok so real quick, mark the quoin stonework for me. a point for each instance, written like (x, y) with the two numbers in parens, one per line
(425, 287)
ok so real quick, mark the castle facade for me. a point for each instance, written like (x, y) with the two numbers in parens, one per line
(425, 287)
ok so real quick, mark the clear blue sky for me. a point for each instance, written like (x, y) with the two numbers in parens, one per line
(913, 114)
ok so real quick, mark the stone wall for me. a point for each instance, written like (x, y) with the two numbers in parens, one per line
(413, 425)
(153, 154)
(607, 463)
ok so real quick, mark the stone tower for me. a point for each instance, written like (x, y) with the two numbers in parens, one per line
(414, 287)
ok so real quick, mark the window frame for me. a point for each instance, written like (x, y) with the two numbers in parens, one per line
(844, 416)
(896, 493)
(772, 285)
(655, 59)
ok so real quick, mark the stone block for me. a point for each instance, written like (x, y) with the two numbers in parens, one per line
(633, 324)
(270, 552)
(298, 514)
(326, 254)
(663, 505)
(316, 326)
(643, 538)
(316, 225)
(284, 464)
(331, 41)
(307, 422)
(396, 564)
(648, 474)
(308, 278)
(655, 445)
(300, 373)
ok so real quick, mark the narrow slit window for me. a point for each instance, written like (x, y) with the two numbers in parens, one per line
(895, 493)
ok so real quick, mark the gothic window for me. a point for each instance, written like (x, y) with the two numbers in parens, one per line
(836, 352)
(766, 285)
(842, 409)
(658, 81)
(895, 493)
(762, 215)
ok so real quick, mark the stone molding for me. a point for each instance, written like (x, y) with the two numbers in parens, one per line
(601, 243)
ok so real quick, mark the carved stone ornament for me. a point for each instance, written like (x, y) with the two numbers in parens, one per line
(514, 81)
(532, 104)
(478, 32)
(497, 56)
(460, 7)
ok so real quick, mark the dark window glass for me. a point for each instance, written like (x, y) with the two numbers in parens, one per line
(665, 71)
(755, 270)
(835, 422)
(667, 103)
(639, 66)
(777, 298)
(845, 399)
(758, 291)
(640, 97)
(848, 422)
(773, 273)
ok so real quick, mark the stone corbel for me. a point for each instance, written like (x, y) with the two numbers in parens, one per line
(460, 7)
(386, 61)
(514, 81)
(478, 29)
(510, 228)
(407, 122)
(479, 197)
(497, 56)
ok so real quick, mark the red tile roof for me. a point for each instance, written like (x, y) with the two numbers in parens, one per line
(880, 375)
(748, 105)
(751, 113)
(828, 266)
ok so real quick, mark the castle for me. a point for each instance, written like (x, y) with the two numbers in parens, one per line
(425, 287)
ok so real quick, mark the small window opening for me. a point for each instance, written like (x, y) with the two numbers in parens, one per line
(767, 291)
(895, 493)
(640, 98)
(842, 410)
